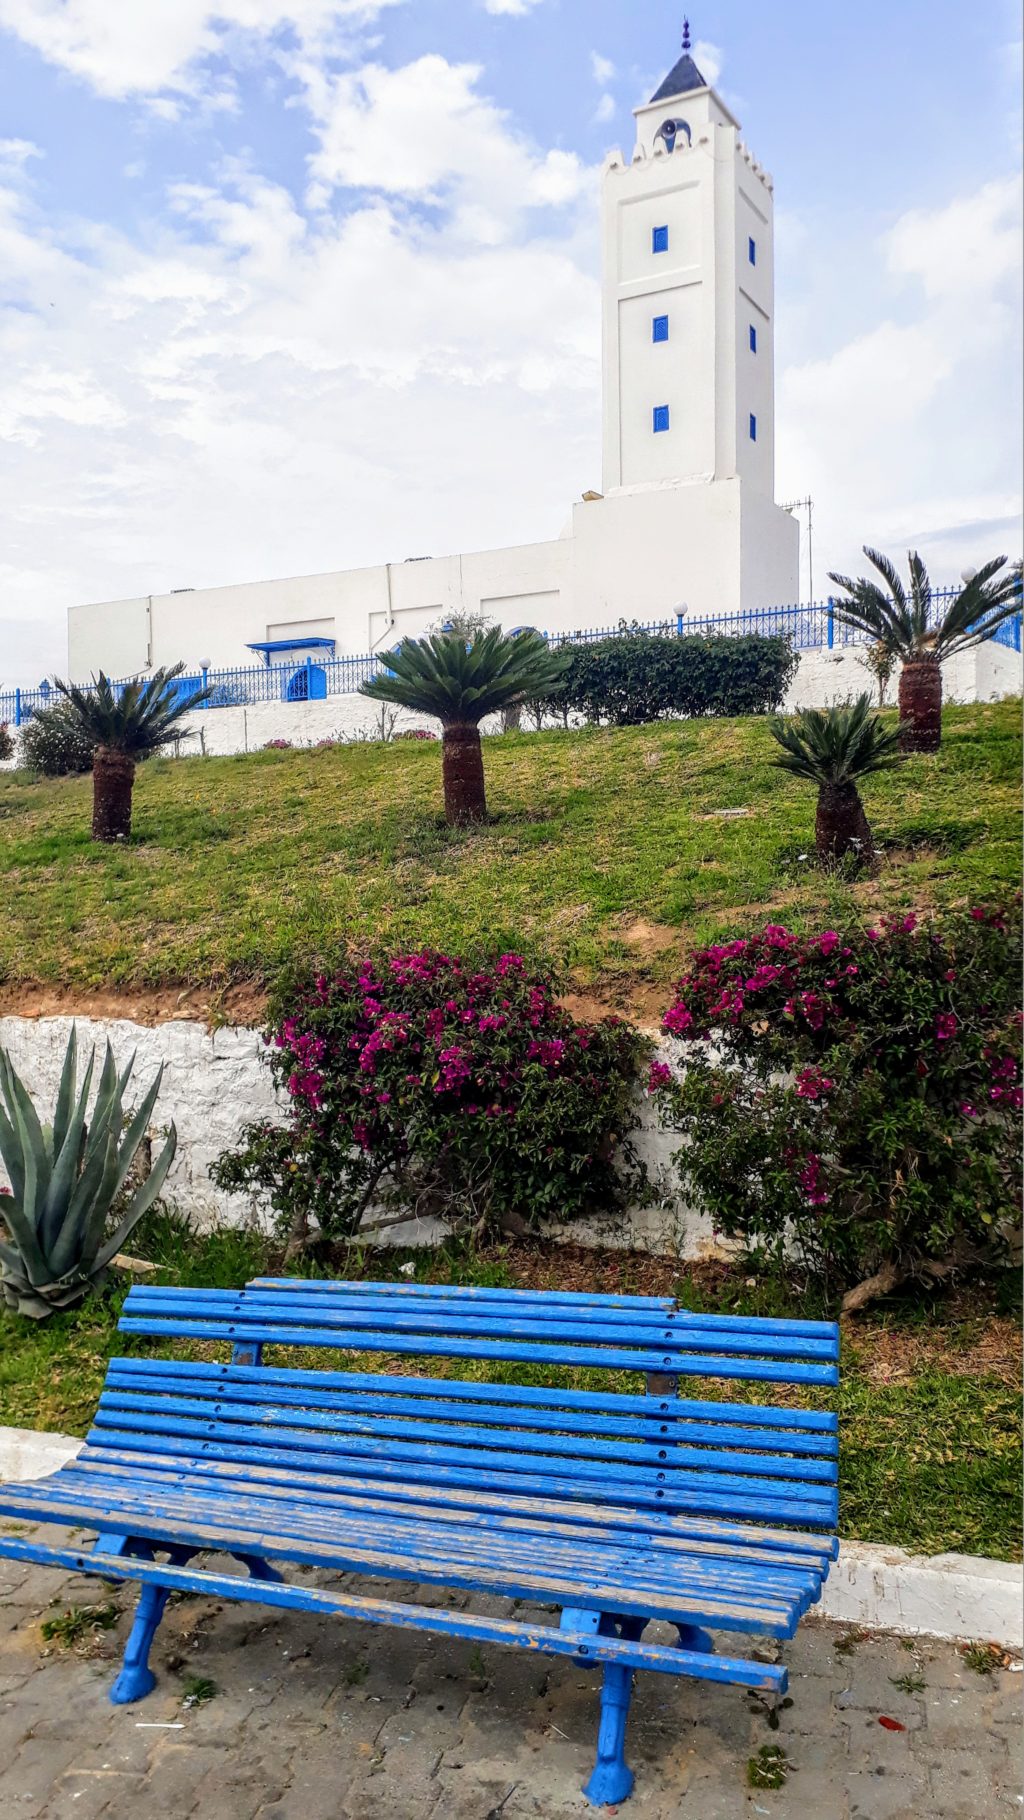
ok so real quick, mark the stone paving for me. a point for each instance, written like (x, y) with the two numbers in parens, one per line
(304, 1719)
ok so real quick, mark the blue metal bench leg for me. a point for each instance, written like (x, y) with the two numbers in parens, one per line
(259, 1569)
(612, 1781)
(137, 1679)
(692, 1637)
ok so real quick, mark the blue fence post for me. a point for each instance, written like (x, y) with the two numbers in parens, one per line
(831, 623)
(17, 707)
(679, 625)
(1016, 624)
(206, 674)
(309, 679)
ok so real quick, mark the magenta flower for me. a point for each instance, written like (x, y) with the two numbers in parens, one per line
(660, 1076)
(946, 1026)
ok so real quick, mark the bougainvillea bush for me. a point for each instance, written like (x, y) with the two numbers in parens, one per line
(433, 1086)
(854, 1095)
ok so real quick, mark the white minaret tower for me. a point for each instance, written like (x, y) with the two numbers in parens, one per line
(689, 354)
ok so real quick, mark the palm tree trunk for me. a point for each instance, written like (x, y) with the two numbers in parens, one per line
(462, 768)
(113, 777)
(921, 705)
(841, 822)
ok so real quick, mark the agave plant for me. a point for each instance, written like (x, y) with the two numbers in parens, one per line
(833, 748)
(907, 626)
(461, 682)
(66, 1179)
(125, 723)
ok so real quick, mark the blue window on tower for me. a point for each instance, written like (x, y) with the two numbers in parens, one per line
(752, 250)
(659, 240)
(753, 339)
(753, 427)
(661, 328)
(661, 417)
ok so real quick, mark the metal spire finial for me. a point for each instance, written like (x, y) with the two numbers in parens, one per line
(686, 34)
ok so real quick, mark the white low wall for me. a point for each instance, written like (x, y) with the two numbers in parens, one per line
(824, 678)
(215, 1082)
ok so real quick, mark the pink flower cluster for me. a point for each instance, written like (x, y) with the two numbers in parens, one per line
(811, 1084)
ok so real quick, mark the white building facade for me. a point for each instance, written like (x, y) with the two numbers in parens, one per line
(687, 521)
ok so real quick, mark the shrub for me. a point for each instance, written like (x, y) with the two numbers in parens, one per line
(431, 1086)
(55, 744)
(278, 745)
(416, 733)
(637, 677)
(854, 1094)
(6, 741)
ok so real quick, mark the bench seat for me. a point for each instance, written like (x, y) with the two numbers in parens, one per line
(618, 1508)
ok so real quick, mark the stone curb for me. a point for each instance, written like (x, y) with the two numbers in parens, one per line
(947, 1596)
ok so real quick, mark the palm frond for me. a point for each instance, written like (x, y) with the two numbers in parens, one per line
(835, 745)
(460, 683)
(910, 629)
(136, 717)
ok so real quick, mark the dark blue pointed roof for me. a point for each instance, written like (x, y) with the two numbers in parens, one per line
(681, 81)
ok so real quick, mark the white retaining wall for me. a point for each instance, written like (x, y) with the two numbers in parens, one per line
(215, 1082)
(824, 677)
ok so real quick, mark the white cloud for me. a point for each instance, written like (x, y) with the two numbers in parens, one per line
(511, 8)
(710, 60)
(124, 47)
(247, 390)
(605, 109)
(604, 71)
(426, 132)
(907, 433)
(15, 154)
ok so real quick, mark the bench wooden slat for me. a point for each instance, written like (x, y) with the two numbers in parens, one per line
(697, 1497)
(712, 1535)
(417, 1542)
(593, 1525)
(815, 1429)
(648, 1331)
(540, 1638)
(757, 1493)
(547, 1298)
(384, 1396)
(593, 1594)
(246, 1403)
(678, 1364)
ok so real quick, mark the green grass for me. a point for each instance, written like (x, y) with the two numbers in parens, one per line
(78, 1622)
(239, 864)
(931, 1463)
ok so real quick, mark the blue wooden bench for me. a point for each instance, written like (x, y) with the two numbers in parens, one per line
(617, 1508)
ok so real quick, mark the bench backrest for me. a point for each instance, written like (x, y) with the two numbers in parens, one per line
(737, 1462)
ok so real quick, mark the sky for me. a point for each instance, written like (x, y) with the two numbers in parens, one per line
(289, 286)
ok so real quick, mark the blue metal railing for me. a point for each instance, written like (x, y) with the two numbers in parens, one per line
(810, 628)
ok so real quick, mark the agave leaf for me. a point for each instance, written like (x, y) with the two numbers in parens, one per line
(10, 1147)
(83, 1229)
(30, 1141)
(136, 1131)
(65, 1092)
(141, 1201)
(69, 1244)
(23, 1233)
(65, 1169)
(30, 1138)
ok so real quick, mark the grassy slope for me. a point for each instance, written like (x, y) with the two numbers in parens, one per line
(929, 1462)
(238, 862)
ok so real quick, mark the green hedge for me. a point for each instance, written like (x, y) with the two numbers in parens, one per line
(635, 677)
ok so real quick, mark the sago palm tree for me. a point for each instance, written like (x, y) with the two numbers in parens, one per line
(835, 748)
(920, 639)
(461, 682)
(126, 723)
